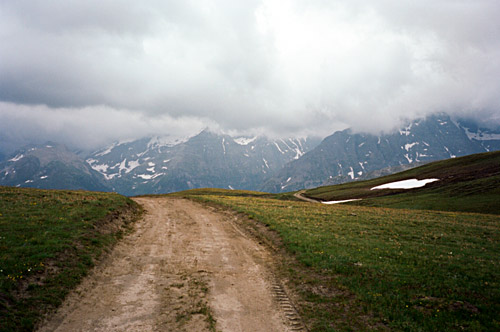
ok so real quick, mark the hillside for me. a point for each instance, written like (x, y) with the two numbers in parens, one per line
(469, 184)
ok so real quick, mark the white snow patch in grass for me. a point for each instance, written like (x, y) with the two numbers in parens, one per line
(343, 201)
(151, 164)
(405, 184)
(28, 181)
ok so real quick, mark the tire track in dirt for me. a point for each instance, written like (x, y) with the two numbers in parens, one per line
(183, 268)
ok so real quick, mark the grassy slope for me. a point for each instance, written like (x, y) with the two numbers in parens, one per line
(406, 269)
(468, 184)
(48, 241)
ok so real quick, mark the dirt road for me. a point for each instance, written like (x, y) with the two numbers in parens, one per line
(184, 268)
(300, 196)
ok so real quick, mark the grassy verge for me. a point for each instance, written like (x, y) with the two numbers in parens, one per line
(408, 270)
(48, 241)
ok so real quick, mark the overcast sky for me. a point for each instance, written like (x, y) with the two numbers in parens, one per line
(92, 71)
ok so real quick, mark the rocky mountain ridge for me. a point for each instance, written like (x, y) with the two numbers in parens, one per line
(155, 165)
(158, 165)
(347, 156)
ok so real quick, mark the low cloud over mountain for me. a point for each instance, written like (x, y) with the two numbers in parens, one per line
(286, 68)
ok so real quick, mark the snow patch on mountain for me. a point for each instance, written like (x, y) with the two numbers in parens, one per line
(409, 146)
(18, 157)
(164, 141)
(278, 147)
(265, 162)
(244, 140)
(131, 165)
(351, 173)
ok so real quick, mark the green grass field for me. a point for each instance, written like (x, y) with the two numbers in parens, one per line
(48, 241)
(370, 268)
(414, 260)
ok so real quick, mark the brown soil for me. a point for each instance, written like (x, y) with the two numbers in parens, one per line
(184, 268)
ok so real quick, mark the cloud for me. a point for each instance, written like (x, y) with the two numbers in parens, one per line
(283, 67)
(86, 128)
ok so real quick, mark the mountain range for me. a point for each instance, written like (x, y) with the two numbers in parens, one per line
(154, 165)
(49, 166)
(159, 165)
(346, 156)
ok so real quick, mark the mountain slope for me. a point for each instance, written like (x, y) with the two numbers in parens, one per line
(345, 156)
(49, 166)
(469, 184)
(162, 165)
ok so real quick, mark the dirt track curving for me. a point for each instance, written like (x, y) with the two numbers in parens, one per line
(300, 195)
(184, 268)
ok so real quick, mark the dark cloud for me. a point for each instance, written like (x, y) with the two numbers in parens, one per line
(281, 67)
